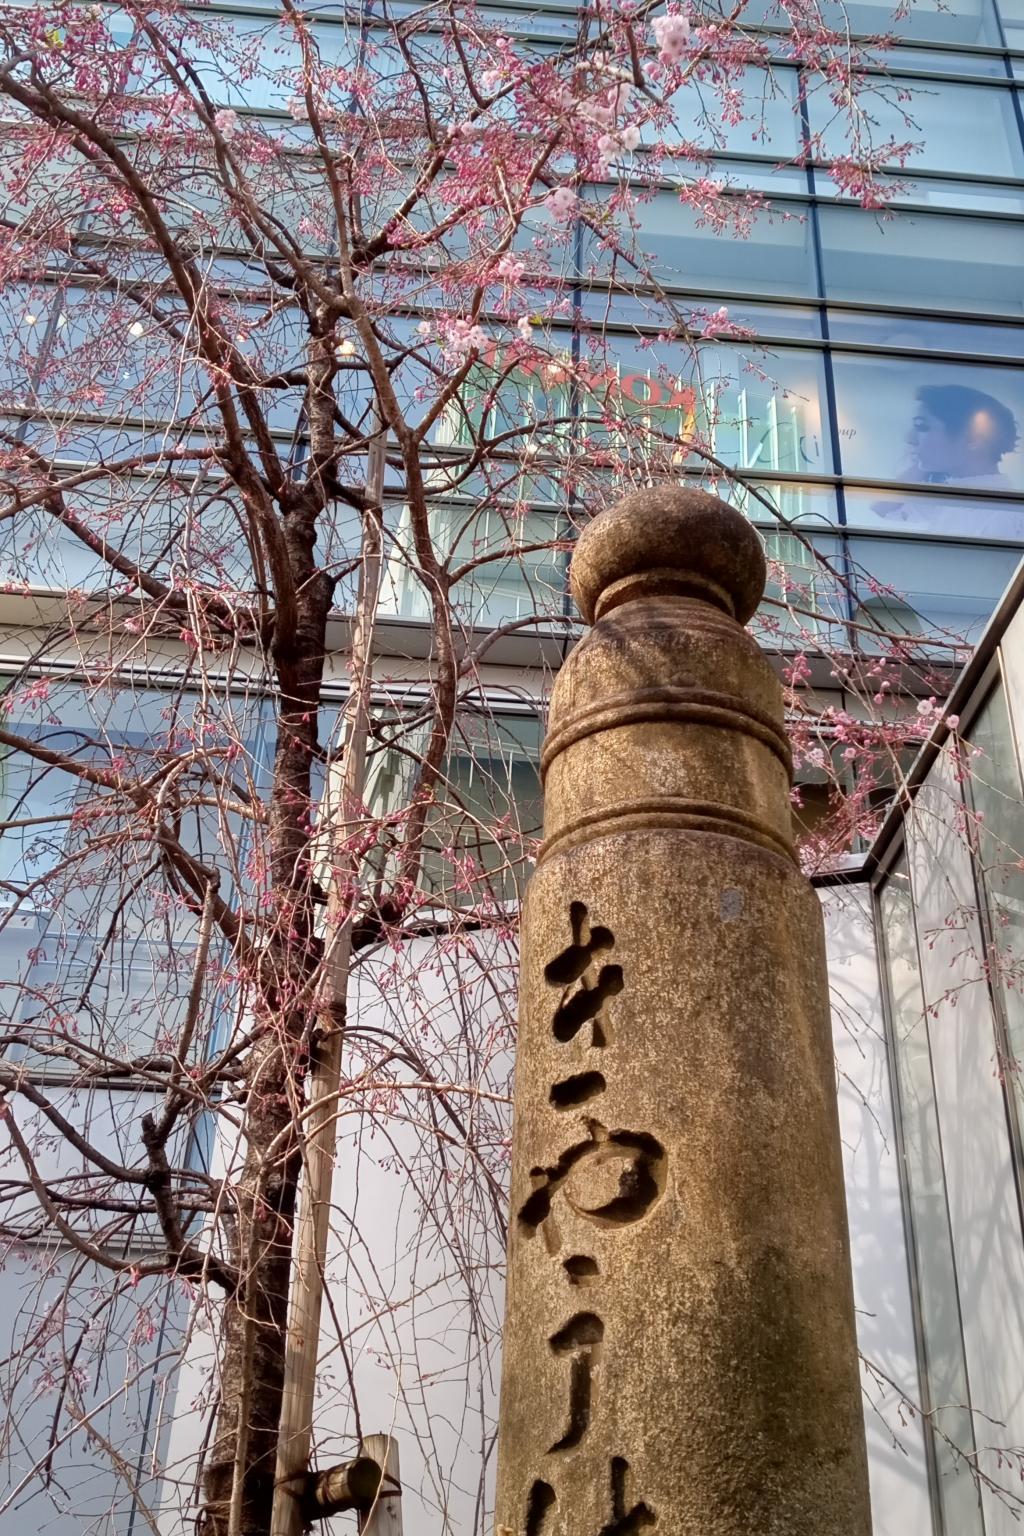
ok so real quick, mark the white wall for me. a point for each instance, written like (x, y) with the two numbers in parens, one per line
(411, 1335)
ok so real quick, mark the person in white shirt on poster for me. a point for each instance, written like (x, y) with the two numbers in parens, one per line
(958, 436)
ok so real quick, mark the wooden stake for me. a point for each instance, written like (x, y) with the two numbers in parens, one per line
(295, 1435)
(385, 1517)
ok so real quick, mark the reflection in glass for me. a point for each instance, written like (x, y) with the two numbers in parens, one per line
(775, 256)
(770, 123)
(104, 958)
(952, 597)
(807, 506)
(751, 410)
(486, 811)
(1012, 13)
(945, 1370)
(968, 129)
(995, 791)
(804, 596)
(933, 21)
(916, 512)
(926, 333)
(929, 260)
(942, 61)
(518, 570)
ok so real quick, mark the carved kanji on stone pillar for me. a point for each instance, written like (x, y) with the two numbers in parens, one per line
(680, 1353)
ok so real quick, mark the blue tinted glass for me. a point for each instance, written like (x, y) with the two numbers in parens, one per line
(1012, 13)
(531, 20)
(774, 319)
(964, 128)
(224, 55)
(966, 517)
(933, 21)
(804, 597)
(944, 61)
(916, 331)
(751, 408)
(931, 423)
(770, 123)
(926, 259)
(778, 505)
(512, 576)
(954, 591)
(763, 319)
(770, 251)
(755, 176)
(938, 192)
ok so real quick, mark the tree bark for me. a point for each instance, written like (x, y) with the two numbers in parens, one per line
(238, 1481)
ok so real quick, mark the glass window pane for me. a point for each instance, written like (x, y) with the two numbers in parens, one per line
(939, 193)
(933, 21)
(527, 20)
(938, 1301)
(940, 335)
(913, 587)
(168, 519)
(752, 409)
(923, 259)
(519, 564)
(773, 254)
(755, 176)
(931, 423)
(944, 61)
(912, 512)
(1012, 13)
(995, 790)
(98, 940)
(770, 123)
(802, 323)
(807, 506)
(804, 598)
(487, 810)
(964, 128)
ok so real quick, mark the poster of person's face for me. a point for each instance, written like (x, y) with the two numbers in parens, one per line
(933, 426)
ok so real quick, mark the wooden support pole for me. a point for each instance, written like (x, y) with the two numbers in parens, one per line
(384, 1518)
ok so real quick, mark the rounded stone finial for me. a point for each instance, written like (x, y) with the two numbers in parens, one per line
(670, 540)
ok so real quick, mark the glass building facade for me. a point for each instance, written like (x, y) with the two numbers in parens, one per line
(878, 409)
(933, 1039)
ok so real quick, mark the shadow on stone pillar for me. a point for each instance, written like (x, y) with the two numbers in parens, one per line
(680, 1350)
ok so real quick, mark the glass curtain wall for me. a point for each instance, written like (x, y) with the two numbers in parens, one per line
(945, 1387)
(885, 392)
(994, 786)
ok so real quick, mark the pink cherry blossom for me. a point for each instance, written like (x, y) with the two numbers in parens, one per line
(561, 203)
(672, 35)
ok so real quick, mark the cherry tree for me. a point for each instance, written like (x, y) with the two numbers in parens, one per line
(308, 380)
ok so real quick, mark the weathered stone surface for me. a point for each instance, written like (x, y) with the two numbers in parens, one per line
(679, 1350)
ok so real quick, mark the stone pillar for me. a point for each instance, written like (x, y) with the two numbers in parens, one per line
(680, 1353)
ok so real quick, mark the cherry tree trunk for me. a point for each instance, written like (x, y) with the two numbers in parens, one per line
(680, 1351)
